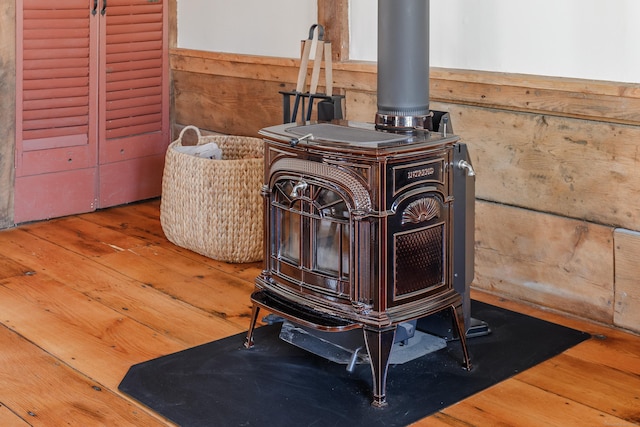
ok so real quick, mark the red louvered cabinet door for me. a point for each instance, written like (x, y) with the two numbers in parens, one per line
(92, 105)
(56, 128)
(134, 108)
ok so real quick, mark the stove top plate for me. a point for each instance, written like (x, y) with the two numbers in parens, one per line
(352, 134)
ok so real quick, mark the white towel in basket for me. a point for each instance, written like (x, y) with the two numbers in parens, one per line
(209, 150)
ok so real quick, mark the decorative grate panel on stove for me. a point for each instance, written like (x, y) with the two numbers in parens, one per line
(419, 260)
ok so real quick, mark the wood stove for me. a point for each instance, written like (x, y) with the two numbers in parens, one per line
(358, 231)
(360, 218)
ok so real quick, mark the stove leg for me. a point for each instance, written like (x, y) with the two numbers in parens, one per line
(379, 343)
(458, 322)
(248, 342)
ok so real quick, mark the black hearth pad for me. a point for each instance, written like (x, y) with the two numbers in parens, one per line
(277, 384)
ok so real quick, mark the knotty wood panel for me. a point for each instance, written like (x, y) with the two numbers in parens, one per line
(579, 169)
(545, 259)
(227, 104)
(531, 149)
(627, 254)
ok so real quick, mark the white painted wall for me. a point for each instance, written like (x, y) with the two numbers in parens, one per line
(566, 38)
(252, 27)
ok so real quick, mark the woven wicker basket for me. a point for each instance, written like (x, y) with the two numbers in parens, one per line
(214, 207)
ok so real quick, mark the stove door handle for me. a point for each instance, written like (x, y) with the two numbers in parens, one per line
(299, 187)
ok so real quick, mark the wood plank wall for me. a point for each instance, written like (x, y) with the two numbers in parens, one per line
(557, 161)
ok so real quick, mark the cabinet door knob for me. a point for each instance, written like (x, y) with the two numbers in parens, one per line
(104, 7)
(95, 7)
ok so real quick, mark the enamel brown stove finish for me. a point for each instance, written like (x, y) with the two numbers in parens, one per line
(358, 232)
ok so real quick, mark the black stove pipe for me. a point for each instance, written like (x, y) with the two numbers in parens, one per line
(403, 65)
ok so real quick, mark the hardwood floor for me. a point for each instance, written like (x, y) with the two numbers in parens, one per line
(83, 298)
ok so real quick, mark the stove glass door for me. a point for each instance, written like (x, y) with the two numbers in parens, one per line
(310, 231)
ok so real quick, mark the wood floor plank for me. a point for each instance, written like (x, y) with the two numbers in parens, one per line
(80, 331)
(612, 348)
(41, 391)
(10, 268)
(515, 403)
(9, 419)
(140, 220)
(440, 420)
(606, 389)
(136, 220)
(197, 284)
(84, 237)
(165, 314)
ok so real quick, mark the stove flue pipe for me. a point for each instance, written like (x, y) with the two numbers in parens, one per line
(403, 65)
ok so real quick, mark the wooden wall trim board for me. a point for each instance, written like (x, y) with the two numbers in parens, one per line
(557, 162)
(172, 10)
(7, 110)
(334, 16)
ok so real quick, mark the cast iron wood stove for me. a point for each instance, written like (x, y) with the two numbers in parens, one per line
(360, 218)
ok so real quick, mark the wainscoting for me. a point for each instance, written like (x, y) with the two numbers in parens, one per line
(557, 161)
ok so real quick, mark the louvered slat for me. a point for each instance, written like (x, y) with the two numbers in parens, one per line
(69, 101)
(134, 111)
(62, 112)
(62, 82)
(120, 130)
(135, 102)
(134, 84)
(47, 97)
(133, 93)
(117, 68)
(154, 46)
